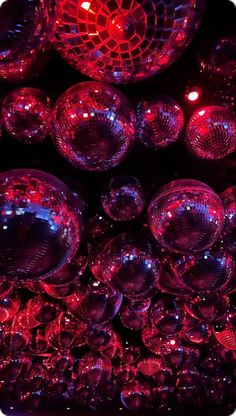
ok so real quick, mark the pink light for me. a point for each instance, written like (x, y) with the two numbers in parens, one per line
(86, 5)
(193, 96)
(201, 113)
(172, 342)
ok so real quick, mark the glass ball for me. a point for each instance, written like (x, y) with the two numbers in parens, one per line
(113, 348)
(9, 305)
(94, 370)
(26, 115)
(130, 265)
(149, 366)
(207, 308)
(159, 122)
(186, 215)
(167, 315)
(139, 305)
(23, 37)
(211, 133)
(229, 203)
(156, 342)
(43, 309)
(135, 395)
(94, 303)
(207, 271)
(133, 320)
(123, 198)
(225, 330)
(93, 126)
(40, 227)
(63, 333)
(124, 42)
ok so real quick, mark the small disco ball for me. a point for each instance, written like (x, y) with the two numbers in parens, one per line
(26, 115)
(121, 42)
(167, 315)
(159, 122)
(211, 133)
(24, 32)
(225, 330)
(186, 215)
(135, 395)
(93, 126)
(229, 203)
(123, 198)
(93, 369)
(207, 308)
(40, 224)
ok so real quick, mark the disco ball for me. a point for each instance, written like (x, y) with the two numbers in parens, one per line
(207, 271)
(130, 265)
(99, 337)
(24, 32)
(229, 203)
(156, 342)
(181, 357)
(133, 320)
(9, 305)
(93, 369)
(63, 333)
(149, 366)
(225, 330)
(186, 215)
(40, 225)
(167, 315)
(93, 126)
(125, 373)
(26, 115)
(121, 42)
(129, 353)
(211, 133)
(135, 395)
(123, 198)
(94, 303)
(159, 122)
(195, 332)
(42, 309)
(207, 308)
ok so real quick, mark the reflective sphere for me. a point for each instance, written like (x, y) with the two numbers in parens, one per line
(40, 225)
(217, 58)
(94, 303)
(167, 315)
(17, 336)
(186, 215)
(156, 342)
(93, 369)
(135, 395)
(229, 203)
(149, 366)
(160, 122)
(129, 353)
(130, 265)
(113, 348)
(9, 305)
(211, 133)
(23, 37)
(225, 330)
(99, 337)
(196, 332)
(43, 309)
(123, 198)
(207, 308)
(139, 305)
(26, 115)
(182, 357)
(125, 373)
(93, 126)
(207, 271)
(133, 320)
(63, 333)
(124, 42)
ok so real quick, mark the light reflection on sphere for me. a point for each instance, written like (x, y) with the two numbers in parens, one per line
(229, 203)
(40, 224)
(93, 369)
(186, 215)
(93, 126)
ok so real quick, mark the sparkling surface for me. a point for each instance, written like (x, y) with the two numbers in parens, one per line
(24, 31)
(130, 265)
(9, 305)
(123, 198)
(229, 203)
(43, 309)
(134, 395)
(124, 41)
(63, 333)
(160, 122)
(93, 126)
(186, 215)
(40, 225)
(133, 320)
(225, 330)
(26, 115)
(207, 308)
(211, 133)
(167, 315)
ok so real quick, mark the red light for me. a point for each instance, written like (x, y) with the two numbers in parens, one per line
(86, 5)
(193, 95)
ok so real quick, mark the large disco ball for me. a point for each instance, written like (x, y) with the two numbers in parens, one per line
(93, 126)
(40, 224)
(124, 41)
(186, 215)
(24, 30)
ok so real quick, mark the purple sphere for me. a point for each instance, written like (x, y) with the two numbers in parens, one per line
(167, 315)
(94, 370)
(135, 395)
(133, 320)
(93, 126)
(207, 308)
(186, 215)
(123, 198)
(229, 203)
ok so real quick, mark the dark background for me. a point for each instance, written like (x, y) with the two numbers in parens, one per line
(153, 168)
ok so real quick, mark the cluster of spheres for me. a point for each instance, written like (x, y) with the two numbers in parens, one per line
(126, 301)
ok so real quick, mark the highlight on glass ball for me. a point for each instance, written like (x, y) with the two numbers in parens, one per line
(130, 264)
(26, 115)
(160, 122)
(24, 37)
(93, 126)
(124, 42)
(123, 198)
(40, 224)
(211, 133)
(229, 203)
(186, 216)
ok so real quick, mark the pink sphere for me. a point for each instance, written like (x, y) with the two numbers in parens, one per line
(195, 332)
(45, 225)
(63, 333)
(130, 265)
(156, 342)
(123, 198)
(186, 215)
(207, 308)
(93, 126)
(160, 122)
(229, 203)
(124, 42)
(26, 115)
(99, 337)
(94, 370)
(167, 315)
(43, 309)
(135, 395)
(133, 320)
(211, 133)
(225, 330)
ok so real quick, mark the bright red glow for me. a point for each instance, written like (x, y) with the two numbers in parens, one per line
(193, 96)
(86, 5)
